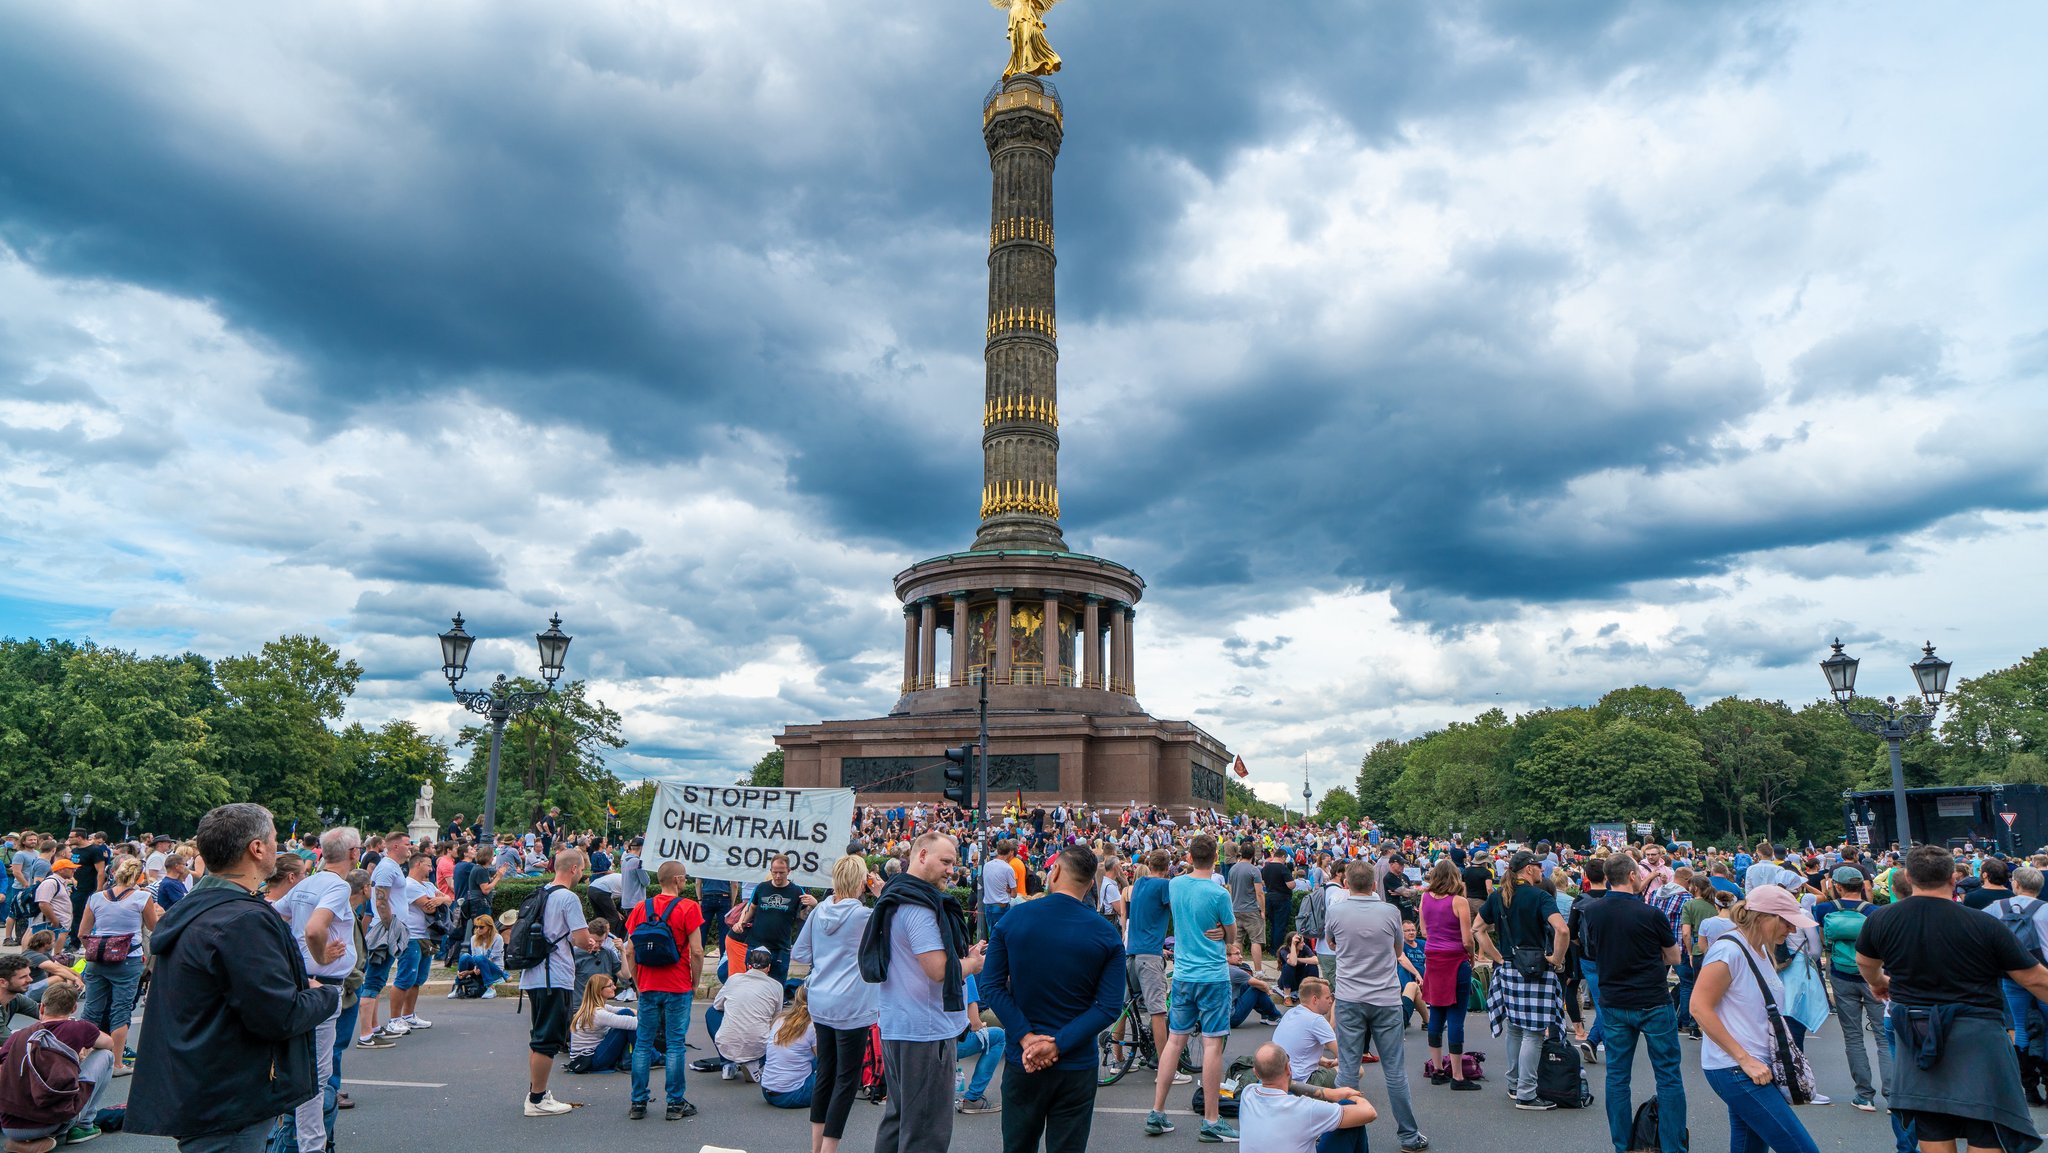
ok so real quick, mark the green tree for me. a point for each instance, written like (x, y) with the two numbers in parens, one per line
(1238, 799)
(273, 722)
(767, 772)
(1665, 709)
(1339, 804)
(1995, 718)
(377, 773)
(1377, 772)
(554, 754)
(1452, 779)
(1621, 771)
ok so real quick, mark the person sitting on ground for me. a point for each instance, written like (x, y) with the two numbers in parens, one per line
(600, 1038)
(985, 1041)
(1247, 992)
(95, 1051)
(601, 958)
(483, 958)
(741, 1014)
(1307, 1035)
(1281, 1115)
(789, 1069)
(40, 951)
(1297, 961)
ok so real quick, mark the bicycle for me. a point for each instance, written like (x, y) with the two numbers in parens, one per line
(1129, 1038)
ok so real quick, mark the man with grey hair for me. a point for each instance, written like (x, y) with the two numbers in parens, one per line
(1365, 935)
(323, 922)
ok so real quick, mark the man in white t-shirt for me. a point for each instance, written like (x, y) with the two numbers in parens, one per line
(153, 867)
(549, 986)
(420, 898)
(387, 894)
(321, 919)
(1279, 1116)
(998, 885)
(1305, 1032)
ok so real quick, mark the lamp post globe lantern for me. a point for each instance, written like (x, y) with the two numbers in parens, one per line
(1841, 673)
(1930, 673)
(500, 703)
(554, 649)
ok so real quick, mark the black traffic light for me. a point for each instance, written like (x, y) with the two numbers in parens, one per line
(959, 790)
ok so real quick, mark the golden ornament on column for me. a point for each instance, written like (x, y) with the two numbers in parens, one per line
(1030, 55)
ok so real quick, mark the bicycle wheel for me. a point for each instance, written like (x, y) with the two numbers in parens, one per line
(1117, 1049)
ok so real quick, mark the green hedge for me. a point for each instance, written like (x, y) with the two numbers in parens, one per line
(513, 891)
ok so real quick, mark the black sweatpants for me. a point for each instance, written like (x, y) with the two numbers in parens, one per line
(1057, 1104)
(841, 1053)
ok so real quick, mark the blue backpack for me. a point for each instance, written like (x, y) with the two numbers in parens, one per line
(2021, 922)
(654, 942)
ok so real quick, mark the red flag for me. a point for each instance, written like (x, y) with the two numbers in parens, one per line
(1240, 770)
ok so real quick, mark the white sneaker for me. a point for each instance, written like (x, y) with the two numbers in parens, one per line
(628, 996)
(489, 994)
(731, 1072)
(1181, 1078)
(547, 1106)
(393, 1028)
(413, 1021)
(453, 993)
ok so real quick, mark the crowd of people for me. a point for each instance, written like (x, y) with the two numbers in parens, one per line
(951, 984)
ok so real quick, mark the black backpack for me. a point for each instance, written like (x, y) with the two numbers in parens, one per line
(527, 945)
(1642, 1133)
(1560, 1078)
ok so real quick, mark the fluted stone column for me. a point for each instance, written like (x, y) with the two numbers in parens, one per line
(1131, 651)
(1002, 669)
(1091, 642)
(1117, 671)
(928, 624)
(960, 626)
(1052, 637)
(909, 647)
(1020, 421)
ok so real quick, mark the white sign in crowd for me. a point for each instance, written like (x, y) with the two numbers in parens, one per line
(729, 832)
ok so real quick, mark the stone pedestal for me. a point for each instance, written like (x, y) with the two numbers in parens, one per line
(424, 828)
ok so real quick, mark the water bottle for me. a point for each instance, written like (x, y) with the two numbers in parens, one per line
(959, 1082)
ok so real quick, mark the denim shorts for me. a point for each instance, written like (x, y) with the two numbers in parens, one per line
(1200, 1004)
(409, 968)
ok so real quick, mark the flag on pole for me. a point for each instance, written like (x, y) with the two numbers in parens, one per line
(610, 809)
(1240, 770)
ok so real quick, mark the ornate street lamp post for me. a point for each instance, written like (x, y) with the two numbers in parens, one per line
(1894, 725)
(79, 810)
(500, 703)
(128, 820)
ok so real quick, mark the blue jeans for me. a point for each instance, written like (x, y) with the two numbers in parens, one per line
(1591, 975)
(486, 968)
(667, 1016)
(344, 1036)
(1903, 1138)
(1682, 996)
(110, 992)
(614, 1049)
(991, 1057)
(1249, 1000)
(797, 1098)
(1658, 1030)
(1759, 1117)
(2024, 1011)
(1451, 1018)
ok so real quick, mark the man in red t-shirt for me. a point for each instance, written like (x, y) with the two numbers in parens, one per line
(95, 1070)
(667, 992)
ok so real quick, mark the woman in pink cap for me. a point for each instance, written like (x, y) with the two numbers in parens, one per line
(1733, 999)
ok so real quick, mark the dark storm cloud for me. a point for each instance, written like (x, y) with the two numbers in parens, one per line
(665, 238)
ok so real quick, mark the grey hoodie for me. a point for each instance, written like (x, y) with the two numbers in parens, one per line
(830, 944)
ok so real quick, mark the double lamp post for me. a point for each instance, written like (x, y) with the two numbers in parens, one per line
(500, 702)
(1894, 724)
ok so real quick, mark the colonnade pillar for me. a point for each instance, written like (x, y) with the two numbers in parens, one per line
(1091, 642)
(959, 675)
(928, 624)
(909, 647)
(1002, 669)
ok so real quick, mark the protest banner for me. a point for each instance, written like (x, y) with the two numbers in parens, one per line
(729, 832)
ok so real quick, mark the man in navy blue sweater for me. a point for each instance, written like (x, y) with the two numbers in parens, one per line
(1067, 988)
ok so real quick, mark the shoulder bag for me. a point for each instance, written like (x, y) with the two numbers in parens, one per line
(1528, 960)
(114, 949)
(1788, 1063)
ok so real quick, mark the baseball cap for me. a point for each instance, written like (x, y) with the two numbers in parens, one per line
(1521, 860)
(1848, 875)
(1777, 902)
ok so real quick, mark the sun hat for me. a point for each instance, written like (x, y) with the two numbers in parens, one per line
(1779, 903)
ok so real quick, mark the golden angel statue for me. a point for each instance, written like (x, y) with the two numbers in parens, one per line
(1030, 55)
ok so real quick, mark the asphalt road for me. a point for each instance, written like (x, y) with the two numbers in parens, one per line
(459, 1085)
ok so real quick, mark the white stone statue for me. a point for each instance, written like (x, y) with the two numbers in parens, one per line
(423, 827)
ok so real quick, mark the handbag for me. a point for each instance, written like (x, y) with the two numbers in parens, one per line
(109, 950)
(1789, 1067)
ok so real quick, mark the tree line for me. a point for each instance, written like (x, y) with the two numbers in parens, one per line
(169, 737)
(1733, 769)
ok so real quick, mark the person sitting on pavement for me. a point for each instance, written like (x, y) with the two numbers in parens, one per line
(1248, 993)
(483, 958)
(1282, 1115)
(984, 1041)
(95, 1051)
(789, 1070)
(1307, 1036)
(600, 1037)
(741, 1015)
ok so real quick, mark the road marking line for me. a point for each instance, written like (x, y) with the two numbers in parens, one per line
(1142, 1112)
(397, 1084)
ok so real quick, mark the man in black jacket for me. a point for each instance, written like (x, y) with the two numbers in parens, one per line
(228, 1046)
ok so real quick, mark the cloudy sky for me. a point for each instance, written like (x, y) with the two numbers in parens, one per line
(1425, 357)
